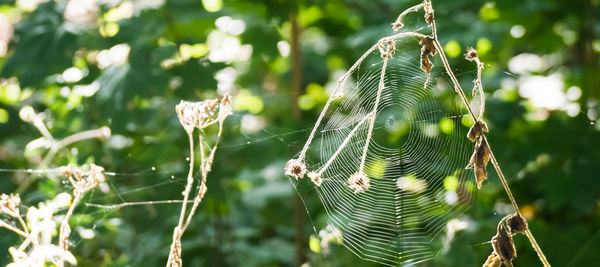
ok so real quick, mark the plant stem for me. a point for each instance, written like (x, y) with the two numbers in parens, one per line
(460, 92)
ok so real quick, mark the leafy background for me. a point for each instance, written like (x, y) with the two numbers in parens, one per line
(88, 64)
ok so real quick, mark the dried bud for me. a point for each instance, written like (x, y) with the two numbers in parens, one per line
(9, 204)
(504, 246)
(296, 168)
(479, 161)
(105, 132)
(397, 26)
(27, 114)
(315, 177)
(359, 182)
(516, 224)
(471, 54)
(477, 130)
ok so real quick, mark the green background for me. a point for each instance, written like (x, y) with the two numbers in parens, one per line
(249, 215)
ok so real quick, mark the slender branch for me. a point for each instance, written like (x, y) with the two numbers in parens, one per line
(374, 112)
(335, 92)
(14, 229)
(344, 143)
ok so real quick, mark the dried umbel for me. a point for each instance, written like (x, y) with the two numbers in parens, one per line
(9, 204)
(195, 114)
(359, 182)
(295, 168)
(82, 182)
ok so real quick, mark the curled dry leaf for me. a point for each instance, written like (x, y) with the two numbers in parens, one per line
(479, 161)
(477, 130)
(428, 13)
(504, 246)
(427, 49)
(516, 224)
(492, 261)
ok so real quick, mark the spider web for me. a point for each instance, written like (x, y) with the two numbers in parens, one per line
(415, 160)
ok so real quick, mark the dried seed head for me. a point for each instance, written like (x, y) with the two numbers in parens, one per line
(9, 204)
(471, 54)
(195, 114)
(359, 182)
(296, 168)
(516, 224)
(503, 245)
(479, 161)
(315, 177)
(477, 130)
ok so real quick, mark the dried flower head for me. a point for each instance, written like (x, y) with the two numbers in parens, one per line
(296, 168)
(359, 182)
(9, 204)
(516, 224)
(504, 246)
(479, 161)
(471, 54)
(195, 114)
(315, 177)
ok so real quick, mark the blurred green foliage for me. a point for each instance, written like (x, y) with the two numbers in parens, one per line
(126, 64)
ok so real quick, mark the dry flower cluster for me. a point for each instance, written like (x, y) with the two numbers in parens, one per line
(38, 248)
(504, 251)
(197, 115)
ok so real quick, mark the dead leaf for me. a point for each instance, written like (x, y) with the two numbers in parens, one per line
(504, 246)
(479, 161)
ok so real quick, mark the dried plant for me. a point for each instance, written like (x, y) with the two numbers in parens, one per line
(504, 251)
(38, 248)
(197, 115)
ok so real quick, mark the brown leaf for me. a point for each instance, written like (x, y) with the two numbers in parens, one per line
(516, 223)
(492, 261)
(427, 49)
(477, 130)
(479, 161)
(504, 246)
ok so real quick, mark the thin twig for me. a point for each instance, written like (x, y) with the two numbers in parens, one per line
(14, 229)
(460, 92)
